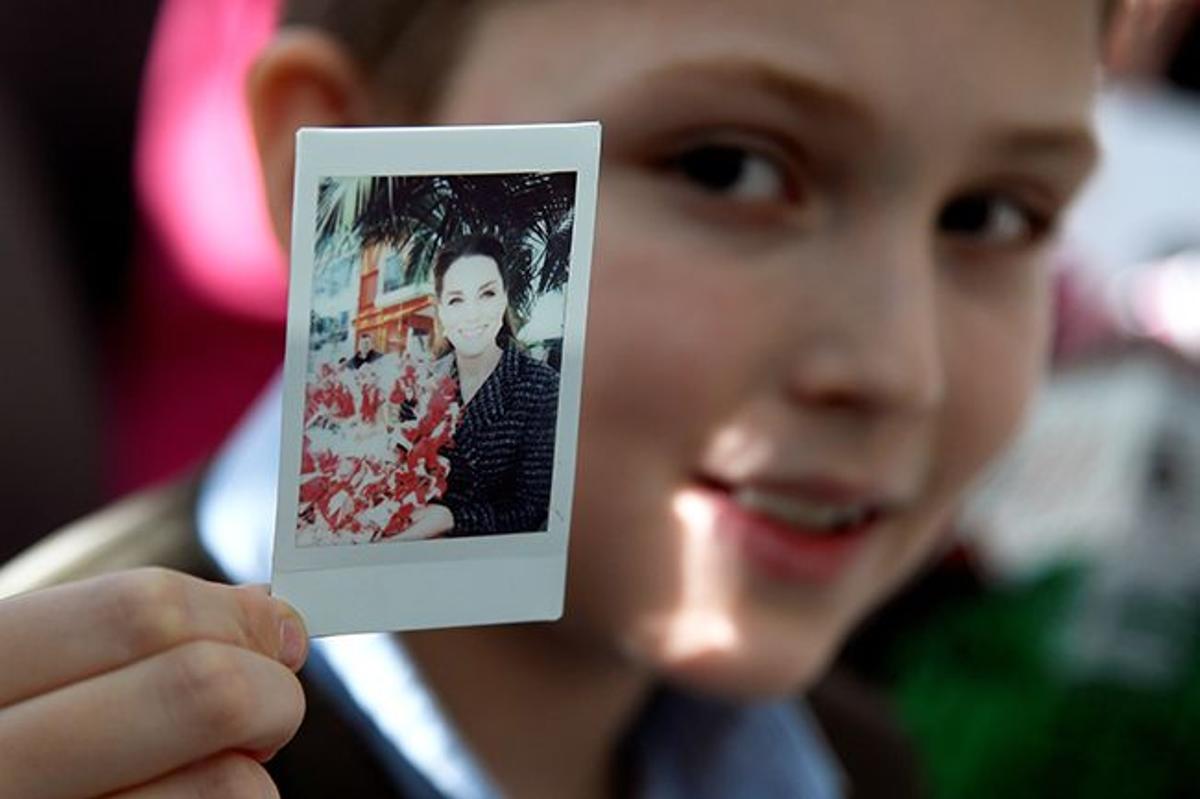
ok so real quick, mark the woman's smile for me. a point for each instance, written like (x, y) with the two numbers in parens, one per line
(473, 331)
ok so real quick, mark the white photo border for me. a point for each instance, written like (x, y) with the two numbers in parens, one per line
(446, 581)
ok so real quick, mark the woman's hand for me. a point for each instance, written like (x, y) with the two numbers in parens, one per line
(428, 522)
(144, 684)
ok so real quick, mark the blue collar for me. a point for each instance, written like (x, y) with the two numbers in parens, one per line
(686, 746)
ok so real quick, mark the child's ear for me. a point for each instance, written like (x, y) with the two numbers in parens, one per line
(302, 79)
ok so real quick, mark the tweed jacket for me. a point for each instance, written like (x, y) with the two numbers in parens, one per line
(502, 457)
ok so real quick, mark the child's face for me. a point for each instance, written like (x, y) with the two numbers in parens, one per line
(818, 292)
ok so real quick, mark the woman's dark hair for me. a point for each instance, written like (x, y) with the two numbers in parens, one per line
(466, 247)
(487, 246)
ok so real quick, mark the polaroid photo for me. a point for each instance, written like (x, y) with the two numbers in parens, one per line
(436, 315)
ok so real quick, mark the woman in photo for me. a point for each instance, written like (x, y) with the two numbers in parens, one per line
(503, 452)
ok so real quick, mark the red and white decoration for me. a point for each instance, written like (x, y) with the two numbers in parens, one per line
(373, 438)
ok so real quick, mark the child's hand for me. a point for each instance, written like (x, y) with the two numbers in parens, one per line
(146, 683)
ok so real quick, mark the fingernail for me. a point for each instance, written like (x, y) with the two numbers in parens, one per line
(293, 642)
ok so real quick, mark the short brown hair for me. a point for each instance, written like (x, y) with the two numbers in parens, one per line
(404, 46)
(411, 46)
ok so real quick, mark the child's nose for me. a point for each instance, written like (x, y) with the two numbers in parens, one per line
(875, 340)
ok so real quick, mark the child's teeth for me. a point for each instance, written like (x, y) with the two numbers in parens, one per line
(798, 512)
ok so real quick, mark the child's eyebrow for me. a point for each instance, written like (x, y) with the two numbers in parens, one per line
(1067, 143)
(815, 97)
(823, 99)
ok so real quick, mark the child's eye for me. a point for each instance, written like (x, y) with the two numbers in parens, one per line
(992, 220)
(454, 301)
(733, 171)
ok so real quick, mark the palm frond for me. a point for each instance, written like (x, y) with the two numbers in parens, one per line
(532, 213)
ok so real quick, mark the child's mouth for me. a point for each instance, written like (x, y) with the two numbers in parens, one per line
(803, 515)
(806, 532)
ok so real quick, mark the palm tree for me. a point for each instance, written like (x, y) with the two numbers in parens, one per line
(532, 213)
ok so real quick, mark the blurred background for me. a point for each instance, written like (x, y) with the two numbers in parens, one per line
(1053, 651)
(145, 297)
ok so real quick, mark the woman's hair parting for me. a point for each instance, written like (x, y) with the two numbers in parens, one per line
(487, 246)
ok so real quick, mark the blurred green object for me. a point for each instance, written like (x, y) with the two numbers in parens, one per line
(995, 711)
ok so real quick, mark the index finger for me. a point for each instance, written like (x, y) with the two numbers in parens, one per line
(68, 633)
